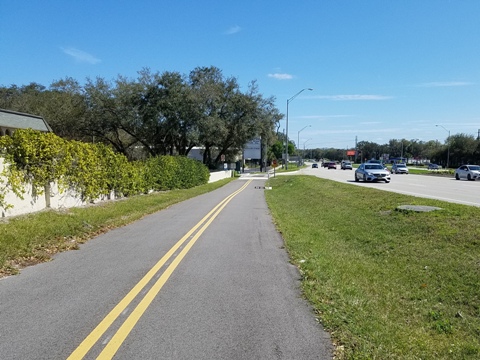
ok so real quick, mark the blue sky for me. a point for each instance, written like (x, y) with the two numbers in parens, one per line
(379, 69)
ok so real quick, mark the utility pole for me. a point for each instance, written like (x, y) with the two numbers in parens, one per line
(356, 150)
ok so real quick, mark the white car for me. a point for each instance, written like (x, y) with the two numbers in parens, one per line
(399, 168)
(372, 172)
(469, 172)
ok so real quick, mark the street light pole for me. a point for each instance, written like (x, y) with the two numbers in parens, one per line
(286, 134)
(448, 147)
(304, 146)
(298, 140)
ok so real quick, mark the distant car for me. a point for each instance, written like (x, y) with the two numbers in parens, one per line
(469, 172)
(331, 165)
(315, 165)
(372, 172)
(399, 169)
(346, 165)
(433, 167)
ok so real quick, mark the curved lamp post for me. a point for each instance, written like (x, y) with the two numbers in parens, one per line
(448, 139)
(304, 146)
(298, 140)
(286, 134)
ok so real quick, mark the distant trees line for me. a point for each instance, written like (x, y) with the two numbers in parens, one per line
(459, 149)
(156, 114)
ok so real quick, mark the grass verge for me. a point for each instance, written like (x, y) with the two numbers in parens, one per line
(444, 173)
(33, 238)
(386, 284)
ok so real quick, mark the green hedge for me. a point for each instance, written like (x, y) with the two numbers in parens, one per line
(92, 170)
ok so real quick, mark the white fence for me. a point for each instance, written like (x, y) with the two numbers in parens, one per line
(32, 202)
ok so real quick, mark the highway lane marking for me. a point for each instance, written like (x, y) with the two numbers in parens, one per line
(113, 345)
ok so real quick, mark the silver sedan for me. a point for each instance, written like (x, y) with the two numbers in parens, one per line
(469, 172)
(372, 172)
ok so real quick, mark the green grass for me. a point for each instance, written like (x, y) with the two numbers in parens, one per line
(386, 284)
(33, 238)
(291, 167)
(446, 173)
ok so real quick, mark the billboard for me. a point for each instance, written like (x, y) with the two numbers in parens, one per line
(253, 149)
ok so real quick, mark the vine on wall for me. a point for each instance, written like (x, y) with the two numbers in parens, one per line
(91, 170)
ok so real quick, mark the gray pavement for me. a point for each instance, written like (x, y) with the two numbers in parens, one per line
(234, 294)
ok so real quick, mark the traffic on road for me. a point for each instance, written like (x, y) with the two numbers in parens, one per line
(445, 188)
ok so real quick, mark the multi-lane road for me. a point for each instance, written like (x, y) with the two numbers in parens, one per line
(433, 187)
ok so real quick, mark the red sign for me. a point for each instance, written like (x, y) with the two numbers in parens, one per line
(350, 152)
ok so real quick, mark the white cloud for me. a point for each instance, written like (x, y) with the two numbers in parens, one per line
(445, 84)
(353, 97)
(279, 76)
(319, 117)
(361, 130)
(233, 30)
(81, 56)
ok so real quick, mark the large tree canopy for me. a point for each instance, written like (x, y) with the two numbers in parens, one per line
(155, 114)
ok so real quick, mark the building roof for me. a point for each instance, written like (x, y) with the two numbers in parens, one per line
(16, 120)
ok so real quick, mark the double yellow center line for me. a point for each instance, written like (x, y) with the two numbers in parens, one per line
(113, 345)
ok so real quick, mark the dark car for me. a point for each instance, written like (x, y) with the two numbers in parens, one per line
(433, 167)
(315, 165)
(331, 165)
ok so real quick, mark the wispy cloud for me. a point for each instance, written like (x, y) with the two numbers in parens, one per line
(233, 30)
(445, 84)
(360, 130)
(319, 117)
(280, 76)
(353, 97)
(370, 123)
(81, 56)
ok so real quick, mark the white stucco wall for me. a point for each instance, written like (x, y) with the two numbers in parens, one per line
(59, 200)
(33, 202)
(220, 175)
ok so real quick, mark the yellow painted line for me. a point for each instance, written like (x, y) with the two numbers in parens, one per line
(93, 337)
(110, 350)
